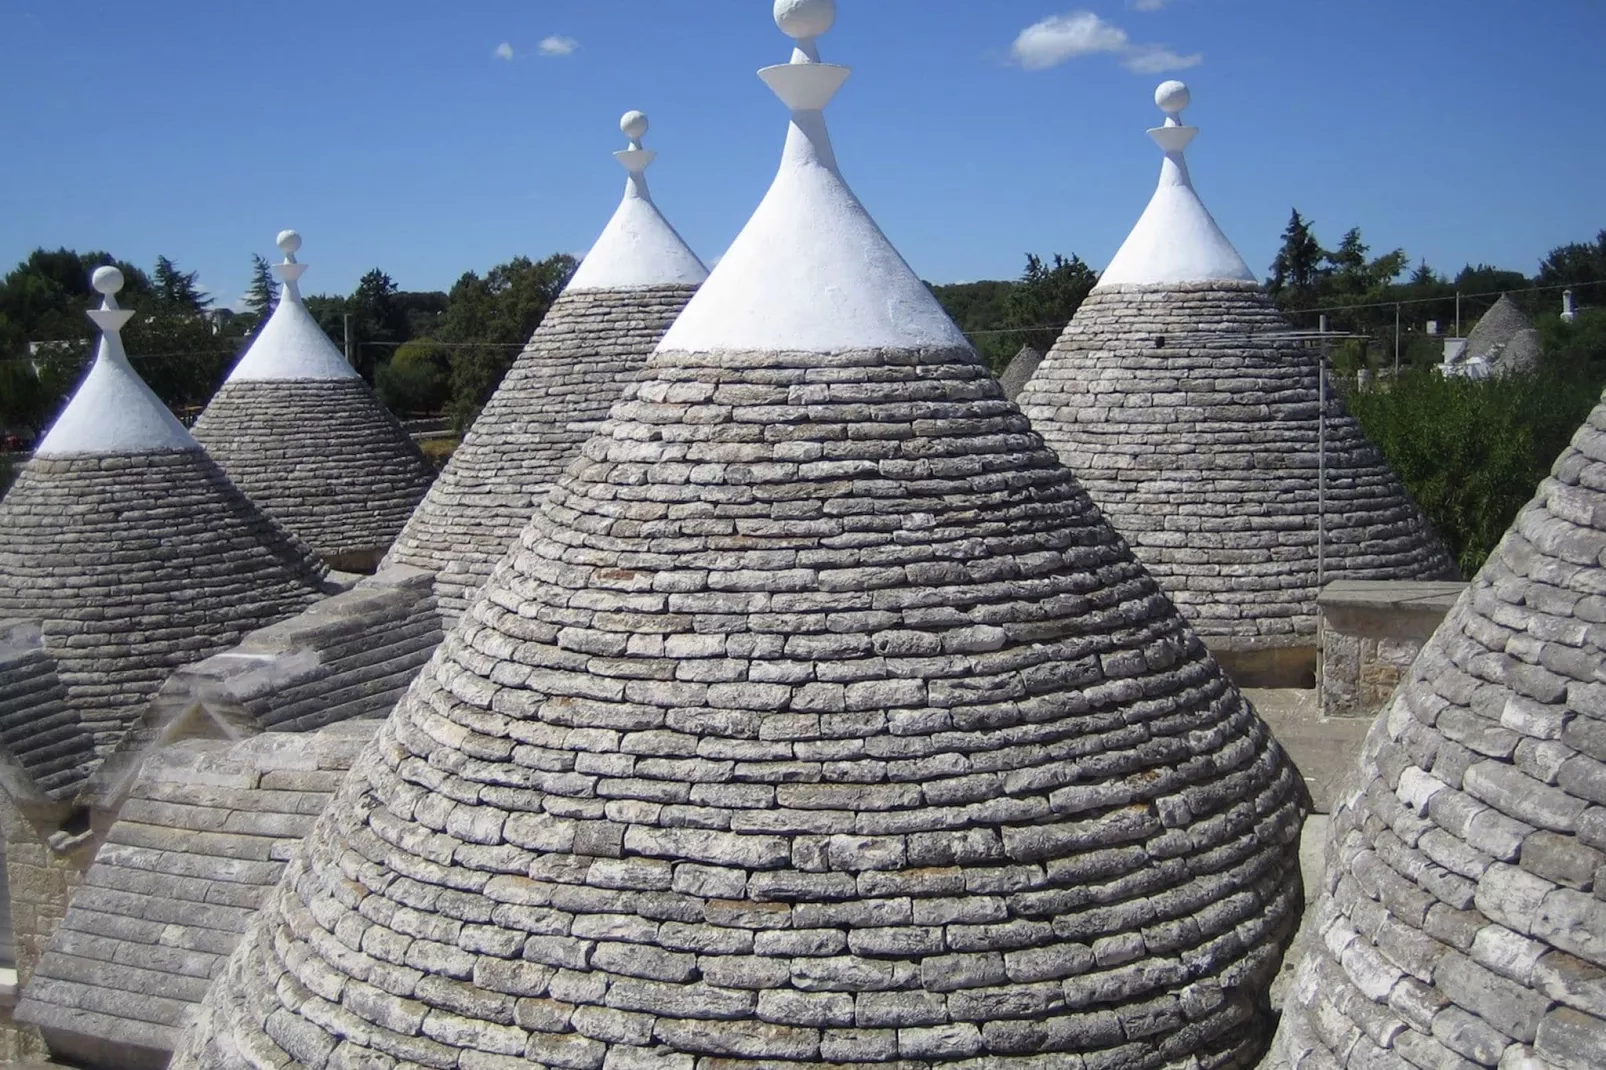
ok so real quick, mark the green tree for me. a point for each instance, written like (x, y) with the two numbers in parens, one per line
(979, 309)
(1296, 273)
(489, 318)
(418, 379)
(176, 290)
(1043, 302)
(263, 295)
(1580, 266)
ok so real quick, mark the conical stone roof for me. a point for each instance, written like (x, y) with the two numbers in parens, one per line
(135, 552)
(632, 284)
(1022, 366)
(298, 430)
(1505, 339)
(1194, 418)
(817, 718)
(1463, 916)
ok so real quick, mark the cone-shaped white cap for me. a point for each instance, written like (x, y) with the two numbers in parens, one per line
(113, 411)
(1176, 241)
(811, 271)
(638, 247)
(291, 345)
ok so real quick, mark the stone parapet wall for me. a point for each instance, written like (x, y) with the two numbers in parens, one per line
(322, 457)
(1370, 633)
(348, 657)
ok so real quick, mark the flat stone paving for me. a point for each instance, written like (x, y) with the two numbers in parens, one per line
(1324, 749)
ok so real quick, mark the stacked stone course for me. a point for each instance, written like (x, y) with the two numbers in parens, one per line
(1464, 914)
(589, 345)
(818, 717)
(37, 726)
(1192, 418)
(136, 564)
(1022, 366)
(322, 457)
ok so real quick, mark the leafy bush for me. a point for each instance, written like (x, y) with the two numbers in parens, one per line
(1472, 452)
(417, 378)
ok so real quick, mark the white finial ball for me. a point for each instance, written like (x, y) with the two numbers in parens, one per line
(633, 125)
(1172, 97)
(107, 280)
(289, 242)
(805, 19)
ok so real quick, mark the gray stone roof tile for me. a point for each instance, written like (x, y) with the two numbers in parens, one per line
(181, 873)
(1462, 918)
(322, 457)
(591, 343)
(1193, 420)
(136, 565)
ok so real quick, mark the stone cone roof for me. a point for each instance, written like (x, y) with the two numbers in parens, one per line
(1022, 366)
(135, 565)
(817, 717)
(632, 284)
(323, 457)
(298, 430)
(1463, 915)
(559, 390)
(1504, 338)
(1194, 421)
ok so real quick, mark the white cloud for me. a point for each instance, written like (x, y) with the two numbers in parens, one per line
(1061, 38)
(1157, 59)
(504, 52)
(558, 46)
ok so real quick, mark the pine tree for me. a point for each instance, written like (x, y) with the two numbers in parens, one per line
(263, 296)
(176, 290)
(1297, 271)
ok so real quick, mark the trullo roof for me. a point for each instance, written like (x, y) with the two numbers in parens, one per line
(817, 718)
(135, 553)
(298, 430)
(1193, 416)
(631, 286)
(1462, 921)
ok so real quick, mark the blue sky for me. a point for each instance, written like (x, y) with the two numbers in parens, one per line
(400, 134)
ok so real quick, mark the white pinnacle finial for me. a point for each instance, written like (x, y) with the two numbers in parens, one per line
(291, 270)
(635, 159)
(108, 282)
(1171, 98)
(805, 84)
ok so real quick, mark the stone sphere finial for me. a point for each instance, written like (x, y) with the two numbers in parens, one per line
(106, 280)
(1172, 97)
(289, 242)
(634, 125)
(803, 20)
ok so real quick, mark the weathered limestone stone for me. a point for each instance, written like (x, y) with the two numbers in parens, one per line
(591, 343)
(1020, 371)
(813, 701)
(322, 457)
(1370, 633)
(136, 564)
(205, 832)
(1197, 430)
(1464, 891)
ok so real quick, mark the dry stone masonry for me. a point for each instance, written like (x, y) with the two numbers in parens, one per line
(633, 283)
(817, 718)
(1194, 417)
(1020, 371)
(204, 834)
(135, 553)
(590, 344)
(1463, 922)
(299, 431)
(38, 727)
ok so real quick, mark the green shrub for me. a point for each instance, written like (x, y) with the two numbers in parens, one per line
(1472, 452)
(417, 378)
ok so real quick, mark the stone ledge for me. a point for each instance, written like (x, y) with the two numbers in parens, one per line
(1369, 633)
